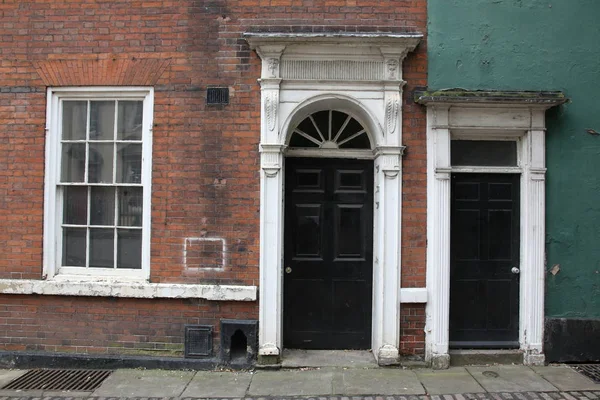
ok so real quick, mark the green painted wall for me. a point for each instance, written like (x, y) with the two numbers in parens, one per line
(540, 45)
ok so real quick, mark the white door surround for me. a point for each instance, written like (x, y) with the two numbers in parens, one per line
(359, 74)
(468, 115)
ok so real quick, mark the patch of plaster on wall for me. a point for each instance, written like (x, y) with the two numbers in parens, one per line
(204, 254)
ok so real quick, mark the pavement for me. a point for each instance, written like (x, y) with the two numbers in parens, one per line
(358, 382)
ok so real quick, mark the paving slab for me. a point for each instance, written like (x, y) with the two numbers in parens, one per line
(297, 382)
(218, 384)
(510, 378)
(8, 375)
(454, 380)
(144, 383)
(382, 381)
(566, 379)
(293, 358)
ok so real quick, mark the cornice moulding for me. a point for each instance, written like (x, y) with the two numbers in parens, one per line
(541, 99)
(407, 40)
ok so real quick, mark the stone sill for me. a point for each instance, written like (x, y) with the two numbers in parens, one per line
(413, 295)
(134, 289)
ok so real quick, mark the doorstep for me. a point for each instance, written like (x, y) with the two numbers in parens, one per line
(485, 357)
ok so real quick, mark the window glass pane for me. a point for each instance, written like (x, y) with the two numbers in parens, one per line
(75, 205)
(102, 205)
(491, 153)
(102, 120)
(101, 163)
(73, 247)
(130, 206)
(300, 141)
(129, 120)
(102, 251)
(129, 248)
(73, 162)
(129, 163)
(74, 120)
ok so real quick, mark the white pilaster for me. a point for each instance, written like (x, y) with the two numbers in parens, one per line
(271, 250)
(533, 244)
(271, 208)
(438, 237)
(388, 177)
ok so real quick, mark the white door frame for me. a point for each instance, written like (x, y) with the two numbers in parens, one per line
(488, 118)
(361, 75)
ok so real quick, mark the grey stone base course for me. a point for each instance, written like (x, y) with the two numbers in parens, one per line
(466, 396)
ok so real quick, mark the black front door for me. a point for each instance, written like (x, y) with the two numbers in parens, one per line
(328, 261)
(484, 261)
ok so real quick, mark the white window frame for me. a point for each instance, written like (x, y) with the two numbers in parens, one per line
(52, 197)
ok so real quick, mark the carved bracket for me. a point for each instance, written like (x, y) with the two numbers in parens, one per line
(392, 65)
(270, 55)
(273, 67)
(271, 104)
(392, 108)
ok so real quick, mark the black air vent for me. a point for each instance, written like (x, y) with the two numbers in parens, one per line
(198, 341)
(217, 95)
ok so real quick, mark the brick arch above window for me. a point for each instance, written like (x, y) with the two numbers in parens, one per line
(102, 70)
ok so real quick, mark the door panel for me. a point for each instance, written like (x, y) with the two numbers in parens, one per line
(328, 258)
(484, 237)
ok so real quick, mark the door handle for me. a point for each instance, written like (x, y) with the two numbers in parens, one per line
(515, 270)
(288, 270)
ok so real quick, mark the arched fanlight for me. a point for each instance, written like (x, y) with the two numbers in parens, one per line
(330, 129)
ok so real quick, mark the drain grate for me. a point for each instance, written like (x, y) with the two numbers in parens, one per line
(592, 371)
(81, 380)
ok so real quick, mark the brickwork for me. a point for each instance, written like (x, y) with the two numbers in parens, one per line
(412, 329)
(108, 325)
(205, 178)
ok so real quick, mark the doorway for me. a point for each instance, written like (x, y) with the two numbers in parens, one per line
(328, 253)
(484, 260)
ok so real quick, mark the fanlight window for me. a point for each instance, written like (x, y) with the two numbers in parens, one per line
(330, 129)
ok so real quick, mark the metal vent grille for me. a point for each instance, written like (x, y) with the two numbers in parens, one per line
(198, 341)
(592, 371)
(81, 380)
(217, 95)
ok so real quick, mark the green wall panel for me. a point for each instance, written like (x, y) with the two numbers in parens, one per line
(540, 45)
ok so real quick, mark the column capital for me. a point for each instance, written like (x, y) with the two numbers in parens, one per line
(271, 158)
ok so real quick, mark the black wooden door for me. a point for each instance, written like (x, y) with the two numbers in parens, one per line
(328, 260)
(484, 261)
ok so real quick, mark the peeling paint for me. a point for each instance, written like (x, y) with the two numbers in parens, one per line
(67, 287)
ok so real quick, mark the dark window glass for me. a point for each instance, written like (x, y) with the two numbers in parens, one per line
(489, 153)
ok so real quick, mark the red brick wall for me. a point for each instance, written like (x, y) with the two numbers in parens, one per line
(412, 329)
(205, 158)
(108, 325)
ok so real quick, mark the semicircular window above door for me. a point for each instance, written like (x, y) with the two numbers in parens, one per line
(330, 129)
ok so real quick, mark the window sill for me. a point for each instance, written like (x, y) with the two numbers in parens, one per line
(75, 286)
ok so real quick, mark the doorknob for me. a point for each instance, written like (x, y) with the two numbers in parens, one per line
(515, 270)
(288, 270)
